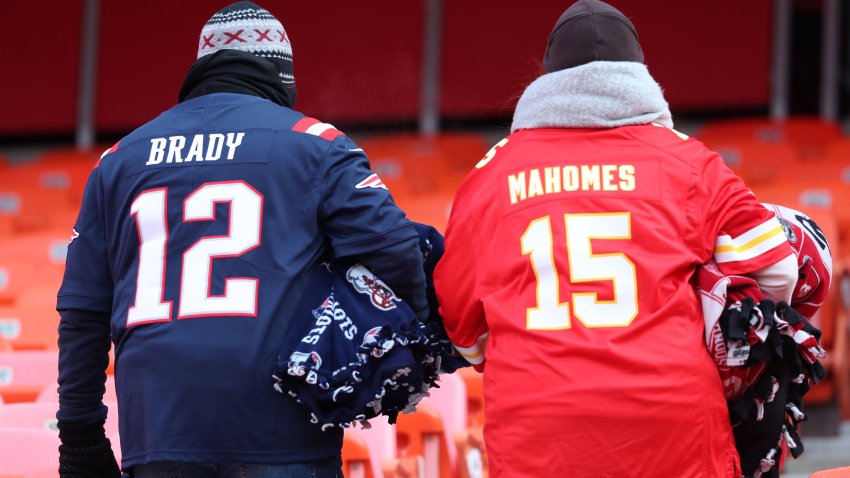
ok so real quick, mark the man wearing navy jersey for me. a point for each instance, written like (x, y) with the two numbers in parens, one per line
(189, 252)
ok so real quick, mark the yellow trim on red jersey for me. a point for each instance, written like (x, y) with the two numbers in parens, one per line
(750, 244)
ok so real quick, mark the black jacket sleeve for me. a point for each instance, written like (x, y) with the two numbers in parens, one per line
(84, 343)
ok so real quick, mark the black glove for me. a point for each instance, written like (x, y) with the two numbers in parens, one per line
(85, 452)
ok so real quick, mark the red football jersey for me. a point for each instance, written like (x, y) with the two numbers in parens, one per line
(814, 259)
(569, 255)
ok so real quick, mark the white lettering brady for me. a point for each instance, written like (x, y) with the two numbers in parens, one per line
(214, 148)
(157, 150)
(232, 143)
(175, 147)
(200, 147)
(197, 149)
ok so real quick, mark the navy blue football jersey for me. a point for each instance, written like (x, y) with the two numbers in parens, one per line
(194, 237)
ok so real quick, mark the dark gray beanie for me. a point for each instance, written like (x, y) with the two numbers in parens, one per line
(591, 30)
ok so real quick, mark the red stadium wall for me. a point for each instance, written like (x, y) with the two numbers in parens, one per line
(704, 56)
(40, 66)
(351, 63)
(357, 62)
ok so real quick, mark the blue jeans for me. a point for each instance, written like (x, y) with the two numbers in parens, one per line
(315, 469)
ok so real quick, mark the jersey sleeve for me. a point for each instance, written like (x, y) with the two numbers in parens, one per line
(87, 283)
(357, 211)
(742, 235)
(456, 281)
(85, 304)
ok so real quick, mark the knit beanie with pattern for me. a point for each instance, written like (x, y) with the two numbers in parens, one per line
(245, 26)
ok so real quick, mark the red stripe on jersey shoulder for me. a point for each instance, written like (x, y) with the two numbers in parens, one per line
(331, 134)
(109, 151)
(304, 123)
(317, 128)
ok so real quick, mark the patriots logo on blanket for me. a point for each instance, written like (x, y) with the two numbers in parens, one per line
(330, 312)
(300, 362)
(369, 336)
(378, 348)
(365, 282)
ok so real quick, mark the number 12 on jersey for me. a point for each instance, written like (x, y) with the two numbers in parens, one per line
(244, 230)
(550, 313)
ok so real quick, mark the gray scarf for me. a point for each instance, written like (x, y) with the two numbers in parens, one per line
(600, 94)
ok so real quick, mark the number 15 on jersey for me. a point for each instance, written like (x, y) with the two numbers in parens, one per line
(550, 313)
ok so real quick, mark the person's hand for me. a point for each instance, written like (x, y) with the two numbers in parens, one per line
(85, 452)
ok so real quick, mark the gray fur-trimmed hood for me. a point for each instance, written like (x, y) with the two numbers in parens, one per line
(600, 94)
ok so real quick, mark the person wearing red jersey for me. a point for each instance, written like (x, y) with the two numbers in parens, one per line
(569, 255)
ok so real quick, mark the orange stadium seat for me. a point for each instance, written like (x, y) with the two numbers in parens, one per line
(42, 415)
(474, 396)
(47, 247)
(843, 472)
(24, 374)
(71, 158)
(29, 415)
(381, 441)
(34, 258)
(50, 471)
(27, 290)
(8, 224)
(449, 400)
(29, 209)
(754, 161)
(423, 433)
(23, 450)
(5, 346)
(825, 170)
(456, 149)
(838, 150)
(45, 193)
(809, 135)
(432, 209)
(356, 461)
(405, 467)
(414, 164)
(472, 454)
(405, 177)
(31, 321)
(68, 168)
(839, 363)
(18, 274)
